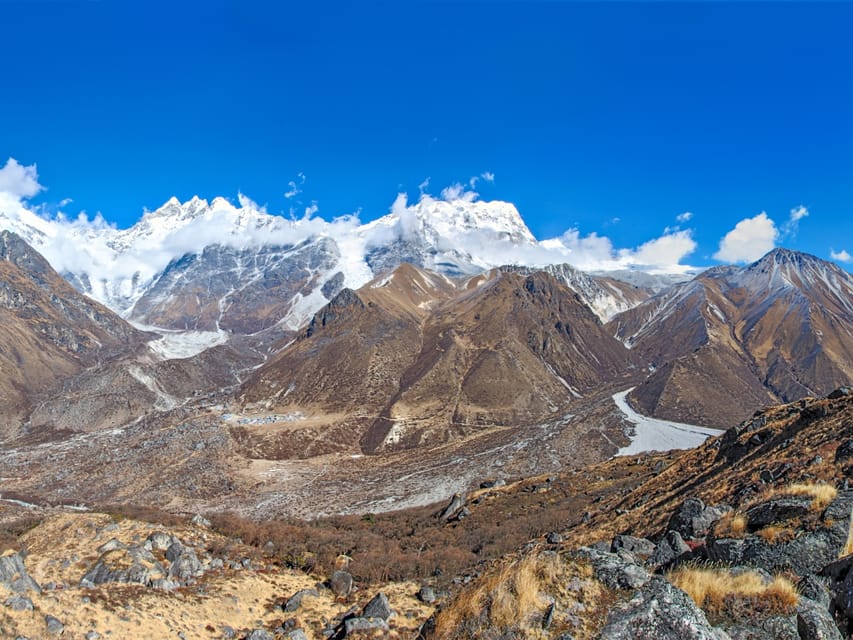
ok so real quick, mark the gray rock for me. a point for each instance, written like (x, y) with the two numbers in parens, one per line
(18, 602)
(341, 583)
(659, 611)
(296, 634)
(134, 565)
(112, 545)
(185, 563)
(693, 519)
(640, 547)
(809, 552)
(159, 541)
(455, 505)
(554, 538)
(93, 635)
(295, 601)
(814, 621)
(766, 628)
(815, 588)
(200, 521)
(378, 607)
(670, 550)
(54, 626)
(426, 595)
(617, 571)
(354, 625)
(14, 576)
(260, 634)
(777, 510)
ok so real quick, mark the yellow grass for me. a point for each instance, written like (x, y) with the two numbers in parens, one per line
(775, 534)
(820, 493)
(512, 598)
(713, 589)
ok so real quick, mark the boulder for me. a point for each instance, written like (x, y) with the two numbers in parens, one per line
(810, 552)
(260, 634)
(295, 634)
(455, 505)
(295, 601)
(616, 570)
(54, 626)
(341, 583)
(777, 510)
(693, 519)
(426, 595)
(670, 550)
(355, 626)
(378, 607)
(640, 547)
(659, 611)
(134, 565)
(814, 622)
(18, 602)
(14, 576)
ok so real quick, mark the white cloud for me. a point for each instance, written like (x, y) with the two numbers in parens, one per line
(791, 227)
(749, 240)
(488, 176)
(65, 202)
(841, 256)
(458, 192)
(684, 217)
(669, 249)
(423, 186)
(18, 180)
(295, 189)
(798, 213)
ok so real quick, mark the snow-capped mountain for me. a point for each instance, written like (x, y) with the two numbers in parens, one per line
(737, 337)
(216, 267)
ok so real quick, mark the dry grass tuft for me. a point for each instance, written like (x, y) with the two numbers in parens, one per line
(512, 598)
(718, 590)
(820, 493)
(731, 525)
(774, 534)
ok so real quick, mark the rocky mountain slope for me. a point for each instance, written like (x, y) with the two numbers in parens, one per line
(414, 357)
(48, 331)
(756, 545)
(734, 339)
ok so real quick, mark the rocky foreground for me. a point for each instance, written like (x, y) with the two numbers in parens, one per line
(744, 537)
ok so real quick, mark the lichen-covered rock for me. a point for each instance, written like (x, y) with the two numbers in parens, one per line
(693, 519)
(14, 576)
(616, 570)
(669, 550)
(378, 607)
(814, 622)
(659, 611)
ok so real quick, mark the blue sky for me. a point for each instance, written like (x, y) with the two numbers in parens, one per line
(611, 118)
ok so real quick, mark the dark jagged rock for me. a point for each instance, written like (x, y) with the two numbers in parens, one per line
(640, 547)
(814, 622)
(809, 552)
(777, 510)
(670, 550)
(378, 607)
(295, 601)
(457, 502)
(693, 519)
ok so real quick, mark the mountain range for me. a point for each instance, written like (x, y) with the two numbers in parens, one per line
(271, 347)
